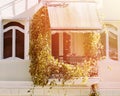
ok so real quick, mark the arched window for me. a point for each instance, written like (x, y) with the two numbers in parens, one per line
(13, 41)
(110, 41)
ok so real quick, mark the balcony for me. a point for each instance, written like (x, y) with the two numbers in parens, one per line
(18, 7)
(21, 88)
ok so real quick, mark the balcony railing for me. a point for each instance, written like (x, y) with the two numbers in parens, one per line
(23, 88)
(16, 7)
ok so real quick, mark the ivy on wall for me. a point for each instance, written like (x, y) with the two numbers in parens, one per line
(93, 50)
(40, 47)
(92, 44)
(43, 66)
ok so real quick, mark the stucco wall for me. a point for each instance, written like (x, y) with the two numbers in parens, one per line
(109, 71)
(14, 70)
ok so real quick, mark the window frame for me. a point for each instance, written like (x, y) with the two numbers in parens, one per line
(14, 28)
(24, 30)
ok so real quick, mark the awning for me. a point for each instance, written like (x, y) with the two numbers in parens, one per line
(73, 16)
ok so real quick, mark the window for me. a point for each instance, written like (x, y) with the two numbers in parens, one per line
(110, 42)
(13, 40)
(68, 46)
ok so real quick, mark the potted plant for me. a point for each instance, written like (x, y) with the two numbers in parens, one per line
(94, 90)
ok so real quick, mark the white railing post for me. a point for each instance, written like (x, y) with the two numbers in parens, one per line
(13, 5)
(26, 5)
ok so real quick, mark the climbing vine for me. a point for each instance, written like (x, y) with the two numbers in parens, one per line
(92, 45)
(93, 50)
(43, 66)
(40, 48)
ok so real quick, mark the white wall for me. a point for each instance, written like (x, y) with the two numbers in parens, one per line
(14, 70)
(111, 10)
(109, 71)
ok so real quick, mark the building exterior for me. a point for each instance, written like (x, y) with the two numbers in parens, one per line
(14, 49)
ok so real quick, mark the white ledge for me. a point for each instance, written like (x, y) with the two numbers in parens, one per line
(15, 84)
(29, 84)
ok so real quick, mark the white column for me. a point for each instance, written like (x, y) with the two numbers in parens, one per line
(107, 44)
(118, 44)
(0, 37)
(26, 42)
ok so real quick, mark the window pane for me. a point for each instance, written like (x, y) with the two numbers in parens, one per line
(7, 44)
(113, 45)
(19, 44)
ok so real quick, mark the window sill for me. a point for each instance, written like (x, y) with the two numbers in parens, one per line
(11, 61)
(29, 84)
(78, 81)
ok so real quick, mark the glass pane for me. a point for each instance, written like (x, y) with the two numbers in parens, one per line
(31, 3)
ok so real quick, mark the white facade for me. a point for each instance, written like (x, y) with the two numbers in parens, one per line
(18, 70)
